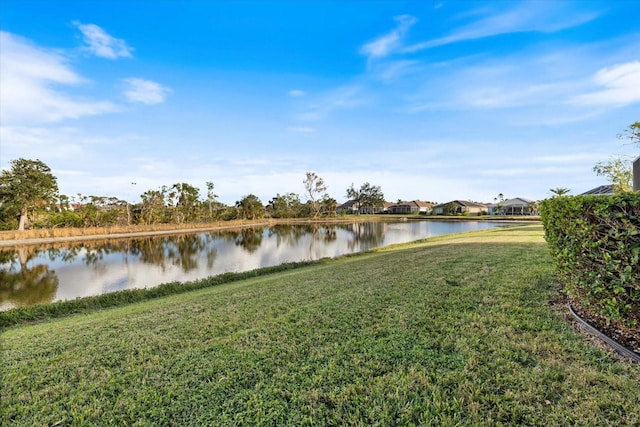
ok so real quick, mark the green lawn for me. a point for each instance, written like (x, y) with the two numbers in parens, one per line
(457, 330)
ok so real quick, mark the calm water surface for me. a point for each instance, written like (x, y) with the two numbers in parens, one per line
(42, 274)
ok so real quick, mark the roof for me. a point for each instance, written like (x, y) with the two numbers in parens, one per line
(603, 189)
(346, 205)
(516, 201)
(352, 204)
(417, 203)
(464, 203)
(470, 204)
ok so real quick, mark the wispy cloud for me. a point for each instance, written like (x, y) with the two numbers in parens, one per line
(342, 98)
(301, 129)
(384, 45)
(101, 44)
(391, 70)
(621, 86)
(33, 142)
(145, 91)
(530, 77)
(491, 85)
(528, 16)
(30, 82)
(296, 93)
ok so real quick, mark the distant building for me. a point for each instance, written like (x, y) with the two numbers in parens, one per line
(353, 207)
(515, 206)
(412, 207)
(456, 207)
(602, 190)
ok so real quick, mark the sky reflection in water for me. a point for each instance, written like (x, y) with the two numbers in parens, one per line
(35, 275)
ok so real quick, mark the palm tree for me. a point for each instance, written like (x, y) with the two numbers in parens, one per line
(560, 191)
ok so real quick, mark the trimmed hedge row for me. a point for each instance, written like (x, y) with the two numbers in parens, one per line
(114, 299)
(595, 241)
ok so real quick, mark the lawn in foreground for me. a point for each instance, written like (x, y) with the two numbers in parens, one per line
(458, 330)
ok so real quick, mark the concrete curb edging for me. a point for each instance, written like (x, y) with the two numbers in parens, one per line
(616, 346)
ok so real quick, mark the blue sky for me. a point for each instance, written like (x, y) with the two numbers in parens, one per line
(431, 100)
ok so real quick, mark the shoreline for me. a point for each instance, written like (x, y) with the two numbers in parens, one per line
(106, 233)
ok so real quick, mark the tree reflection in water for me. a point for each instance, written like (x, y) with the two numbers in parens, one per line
(39, 274)
(249, 239)
(183, 250)
(366, 235)
(25, 286)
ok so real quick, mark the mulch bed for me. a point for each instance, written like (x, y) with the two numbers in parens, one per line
(625, 333)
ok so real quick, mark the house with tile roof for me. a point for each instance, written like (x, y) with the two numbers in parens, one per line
(457, 207)
(412, 207)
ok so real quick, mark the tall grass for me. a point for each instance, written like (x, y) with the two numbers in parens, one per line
(68, 232)
(116, 229)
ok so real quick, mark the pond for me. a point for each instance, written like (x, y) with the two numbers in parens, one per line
(43, 274)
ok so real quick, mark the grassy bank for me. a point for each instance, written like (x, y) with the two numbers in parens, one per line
(15, 237)
(457, 330)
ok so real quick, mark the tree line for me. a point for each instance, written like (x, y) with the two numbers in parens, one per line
(29, 198)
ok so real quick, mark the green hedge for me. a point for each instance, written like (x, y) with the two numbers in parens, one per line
(595, 241)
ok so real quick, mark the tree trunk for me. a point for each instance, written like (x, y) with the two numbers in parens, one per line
(23, 220)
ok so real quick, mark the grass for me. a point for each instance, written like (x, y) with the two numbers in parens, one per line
(457, 330)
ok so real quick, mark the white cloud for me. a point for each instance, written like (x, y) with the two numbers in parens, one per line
(30, 77)
(621, 86)
(525, 79)
(145, 91)
(528, 16)
(40, 142)
(384, 45)
(296, 93)
(392, 70)
(342, 98)
(102, 44)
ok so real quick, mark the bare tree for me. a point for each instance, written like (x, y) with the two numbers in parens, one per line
(315, 190)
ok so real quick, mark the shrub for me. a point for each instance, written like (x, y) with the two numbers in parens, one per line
(64, 219)
(595, 241)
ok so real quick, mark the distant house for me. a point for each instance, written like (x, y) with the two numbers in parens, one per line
(515, 206)
(69, 207)
(456, 207)
(602, 190)
(412, 207)
(386, 206)
(349, 207)
(353, 207)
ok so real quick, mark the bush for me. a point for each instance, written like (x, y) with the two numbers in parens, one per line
(64, 219)
(595, 241)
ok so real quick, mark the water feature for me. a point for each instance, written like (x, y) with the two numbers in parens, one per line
(43, 274)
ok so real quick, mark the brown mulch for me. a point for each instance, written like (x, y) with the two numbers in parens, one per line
(625, 333)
